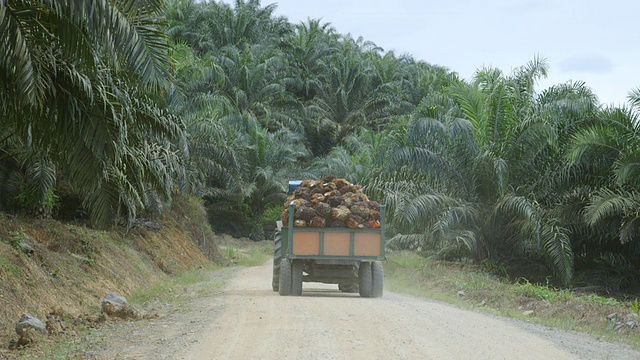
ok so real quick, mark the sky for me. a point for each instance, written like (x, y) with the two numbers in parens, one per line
(596, 42)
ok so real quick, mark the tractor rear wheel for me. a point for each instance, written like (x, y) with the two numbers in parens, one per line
(284, 287)
(377, 273)
(277, 256)
(365, 284)
(296, 277)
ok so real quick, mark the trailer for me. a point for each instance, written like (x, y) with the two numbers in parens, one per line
(350, 258)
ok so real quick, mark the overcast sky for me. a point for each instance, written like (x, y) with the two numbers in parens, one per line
(597, 42)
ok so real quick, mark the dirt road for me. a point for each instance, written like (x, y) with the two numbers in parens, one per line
(247, 320)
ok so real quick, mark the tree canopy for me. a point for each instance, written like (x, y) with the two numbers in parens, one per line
(108, 108)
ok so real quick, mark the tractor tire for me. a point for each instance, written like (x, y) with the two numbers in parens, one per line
(296, 277)
(377, 274)
(365, 284)
(277, 256)
(284, 287)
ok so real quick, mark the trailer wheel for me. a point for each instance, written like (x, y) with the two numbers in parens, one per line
(277, 256)
(365, 283)
(377, 273)
(296, 277)
(284, 287)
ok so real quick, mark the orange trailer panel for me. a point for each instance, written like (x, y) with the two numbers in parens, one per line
(306, 243)
(367, 244)
(337, 243)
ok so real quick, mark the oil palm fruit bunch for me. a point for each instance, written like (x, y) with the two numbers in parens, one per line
(331, 202)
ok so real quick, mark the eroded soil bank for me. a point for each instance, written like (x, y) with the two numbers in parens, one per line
(47, 266)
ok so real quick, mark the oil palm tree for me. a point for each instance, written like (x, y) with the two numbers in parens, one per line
(342, 107)
(81, 84)
(604, 158)
(252, 83)
(308, 51)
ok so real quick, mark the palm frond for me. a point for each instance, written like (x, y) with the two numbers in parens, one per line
(634, 97)
(606, 204)
(627, 168)
(17, 62)
(557, 249)
(593, 144)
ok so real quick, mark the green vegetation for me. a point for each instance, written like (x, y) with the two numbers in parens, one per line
(16, 239)
(635, 307)
(242, 253)
(542, 292)
(11, 267)
(106, 118)
(602, 300)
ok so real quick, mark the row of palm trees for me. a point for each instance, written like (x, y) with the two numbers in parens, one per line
(110, 107)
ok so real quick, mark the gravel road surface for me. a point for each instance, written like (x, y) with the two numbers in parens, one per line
(247, 320)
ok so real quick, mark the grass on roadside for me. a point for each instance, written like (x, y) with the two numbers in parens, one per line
(177, 289)
(181, 288)
(246, 252)
(473, 287)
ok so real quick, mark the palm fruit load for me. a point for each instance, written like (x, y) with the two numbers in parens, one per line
(332, 203)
